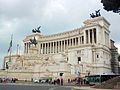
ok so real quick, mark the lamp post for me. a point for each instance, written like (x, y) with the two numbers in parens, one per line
(61, 74)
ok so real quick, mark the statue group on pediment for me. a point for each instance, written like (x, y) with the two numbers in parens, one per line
(97, 14)
(37, 30)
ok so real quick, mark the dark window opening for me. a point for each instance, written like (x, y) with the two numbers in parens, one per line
(73, 41)
(79, 60)
(97, 56)
(86, 36)
(76, 40)
(95, 38)
(82, 39)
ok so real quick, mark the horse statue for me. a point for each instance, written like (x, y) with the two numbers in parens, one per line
(37, 30)
(34, 31)
(33, 41)
(97, 14)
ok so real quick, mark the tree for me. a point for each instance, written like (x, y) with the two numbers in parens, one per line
(111, 5)
(7, 67)
(119, 58)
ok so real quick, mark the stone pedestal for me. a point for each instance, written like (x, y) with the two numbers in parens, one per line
(33, 51)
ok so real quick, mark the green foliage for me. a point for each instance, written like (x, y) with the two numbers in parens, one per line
(119, 58)
(111, 5)
(7, 67)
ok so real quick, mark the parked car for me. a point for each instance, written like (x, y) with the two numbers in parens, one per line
(43, 81)
(36, 81)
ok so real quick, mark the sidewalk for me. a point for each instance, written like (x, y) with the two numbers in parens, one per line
(89, 88)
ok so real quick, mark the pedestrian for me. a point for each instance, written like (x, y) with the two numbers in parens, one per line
(68, 80)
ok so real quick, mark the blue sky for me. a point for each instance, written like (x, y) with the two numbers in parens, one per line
(19, 17)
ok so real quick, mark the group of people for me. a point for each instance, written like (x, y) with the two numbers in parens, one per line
(78, 81)
(8, 80)
(58, 81)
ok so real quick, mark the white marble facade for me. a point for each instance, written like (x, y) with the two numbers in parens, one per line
(74, 53)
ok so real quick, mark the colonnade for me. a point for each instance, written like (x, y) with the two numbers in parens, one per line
(91, 36)
(61, 45)
(26, 47)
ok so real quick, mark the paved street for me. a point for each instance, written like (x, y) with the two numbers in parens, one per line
(33, 87)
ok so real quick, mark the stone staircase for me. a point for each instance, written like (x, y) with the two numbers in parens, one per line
(113, 83)
(117, 86)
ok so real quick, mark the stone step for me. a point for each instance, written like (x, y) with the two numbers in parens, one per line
(110, 84)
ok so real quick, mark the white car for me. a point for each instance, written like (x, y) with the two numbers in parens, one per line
(43, 81)
(36, 81)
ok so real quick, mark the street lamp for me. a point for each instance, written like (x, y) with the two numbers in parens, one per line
(61, 74)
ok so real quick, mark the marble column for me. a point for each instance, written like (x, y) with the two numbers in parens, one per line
(39, 48)
(64, 45)
(85, 37)
(67, 44)
(83, 40)
(42, 48)
(53, 47)
(80, 39)
(72, 42)
(48, 48)
(45, 48)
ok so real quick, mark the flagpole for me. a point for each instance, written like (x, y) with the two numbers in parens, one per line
(11, 48)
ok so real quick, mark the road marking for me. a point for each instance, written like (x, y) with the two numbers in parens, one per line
(53, 88)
